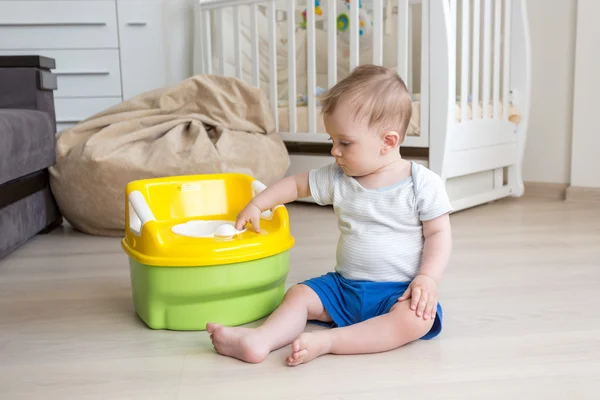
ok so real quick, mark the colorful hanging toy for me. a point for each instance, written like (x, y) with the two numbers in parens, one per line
(343, 19)
(318, 11)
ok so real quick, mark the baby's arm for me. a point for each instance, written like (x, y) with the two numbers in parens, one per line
(437, 247)
(423, 290)
(282, 192)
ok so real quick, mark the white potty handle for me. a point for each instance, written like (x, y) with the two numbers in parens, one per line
(141, 212)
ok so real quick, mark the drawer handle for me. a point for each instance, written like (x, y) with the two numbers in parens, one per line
(80, 72)
(137, 23)
(68, 120)
(52, 23)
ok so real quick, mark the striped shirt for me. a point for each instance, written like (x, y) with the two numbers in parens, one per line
(381, 233)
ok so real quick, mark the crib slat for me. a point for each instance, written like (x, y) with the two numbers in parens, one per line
(403, 40)
(506, 68)
(219, 41)
(497, 49)
(487, 28)
(273, 62)
(409, 54)
(207, 42)
(354, 30)
(453, 14)
(454, 48)
(465, 67)
(424, 123)
(476, 57)
(254, 34)
(377, 32)
(332, 42)
(311, 67)
(236, 35)
(291, 15)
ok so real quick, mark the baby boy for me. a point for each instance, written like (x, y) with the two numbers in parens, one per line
(395, 237)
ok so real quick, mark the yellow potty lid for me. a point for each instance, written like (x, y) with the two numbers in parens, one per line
(189, 221)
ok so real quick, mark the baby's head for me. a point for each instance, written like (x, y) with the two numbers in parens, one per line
(366, 115)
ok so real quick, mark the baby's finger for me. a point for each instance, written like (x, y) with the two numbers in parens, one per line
(422, 304)
(406, 294)
(240, 223)
(416, 295)
(429, 310)
(256, 223)
(431, 305)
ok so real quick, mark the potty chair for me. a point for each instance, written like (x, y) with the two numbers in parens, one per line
(189, 265)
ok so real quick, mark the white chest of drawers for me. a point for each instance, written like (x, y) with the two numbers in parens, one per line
(105, 50)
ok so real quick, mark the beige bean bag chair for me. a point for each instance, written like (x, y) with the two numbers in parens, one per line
(205, 124)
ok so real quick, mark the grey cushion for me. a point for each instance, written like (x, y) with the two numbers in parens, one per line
(27, 89)
(27, 143)
(20, 221)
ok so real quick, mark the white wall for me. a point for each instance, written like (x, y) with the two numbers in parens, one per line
(585, 170)
(552, 28)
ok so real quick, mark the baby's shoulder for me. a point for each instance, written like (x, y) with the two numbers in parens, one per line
(431, 197)
(424, 177)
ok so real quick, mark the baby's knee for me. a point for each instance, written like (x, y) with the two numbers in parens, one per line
(298, 292)
(407, 320)
(302, 294)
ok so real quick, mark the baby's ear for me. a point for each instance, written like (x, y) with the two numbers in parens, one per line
(391, 140)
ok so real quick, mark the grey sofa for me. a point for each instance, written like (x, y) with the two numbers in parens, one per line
(27, 149)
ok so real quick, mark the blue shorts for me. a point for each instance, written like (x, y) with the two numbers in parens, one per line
(349, 301)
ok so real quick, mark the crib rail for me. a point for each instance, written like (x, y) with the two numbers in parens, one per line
(291, 18)
(262, 42)
(231, 39)
(483, 137)
(483, 50)
(469, 62)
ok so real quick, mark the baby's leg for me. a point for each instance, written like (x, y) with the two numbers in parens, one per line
(385, 332)
(283, 326)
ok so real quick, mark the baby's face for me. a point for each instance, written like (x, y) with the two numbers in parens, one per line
(356, 148)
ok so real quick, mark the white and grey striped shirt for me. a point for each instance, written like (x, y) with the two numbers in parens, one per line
(381, 233)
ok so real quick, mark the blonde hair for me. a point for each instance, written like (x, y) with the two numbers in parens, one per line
(377, 94)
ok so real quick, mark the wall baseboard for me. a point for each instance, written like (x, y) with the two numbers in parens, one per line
(550, 191)
(578, 194)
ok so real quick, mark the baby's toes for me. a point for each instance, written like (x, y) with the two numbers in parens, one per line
(299, 356)
(296, 358)
(296, 346)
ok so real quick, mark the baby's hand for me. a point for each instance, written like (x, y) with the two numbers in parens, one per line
(423, 292)
(250, 213)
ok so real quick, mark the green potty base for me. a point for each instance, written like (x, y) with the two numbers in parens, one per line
(187, 298)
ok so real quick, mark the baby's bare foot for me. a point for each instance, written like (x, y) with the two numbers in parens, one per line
(242, 343)
(309, 346)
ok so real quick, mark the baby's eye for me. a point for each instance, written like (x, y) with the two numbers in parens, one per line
(345, 143)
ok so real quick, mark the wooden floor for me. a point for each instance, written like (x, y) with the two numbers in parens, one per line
(521, 305)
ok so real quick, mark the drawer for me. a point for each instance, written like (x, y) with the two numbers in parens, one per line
(65, 24)
(83, 73)
(166, 28)
(71, 111)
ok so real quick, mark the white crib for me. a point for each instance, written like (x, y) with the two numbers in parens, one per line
(466, 61)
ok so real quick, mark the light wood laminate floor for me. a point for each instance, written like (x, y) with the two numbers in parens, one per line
(521, 305)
